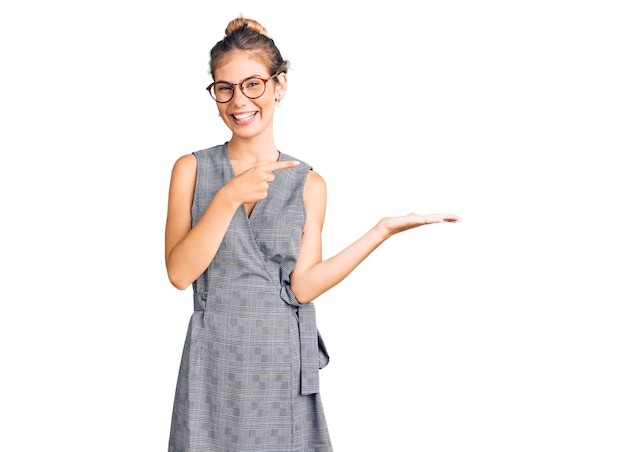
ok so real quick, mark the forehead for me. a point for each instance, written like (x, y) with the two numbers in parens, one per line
(238, 66)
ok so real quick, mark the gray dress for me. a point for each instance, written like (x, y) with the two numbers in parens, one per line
(249, 374)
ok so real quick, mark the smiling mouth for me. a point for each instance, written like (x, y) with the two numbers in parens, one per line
(244, 116)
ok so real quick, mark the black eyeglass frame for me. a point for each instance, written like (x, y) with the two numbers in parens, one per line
(240, 84)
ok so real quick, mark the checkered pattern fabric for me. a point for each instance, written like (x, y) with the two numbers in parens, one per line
(249, 374)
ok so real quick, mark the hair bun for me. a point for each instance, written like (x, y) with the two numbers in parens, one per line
(241, 23)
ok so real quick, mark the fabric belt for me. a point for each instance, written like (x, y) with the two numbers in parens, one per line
(313, 355)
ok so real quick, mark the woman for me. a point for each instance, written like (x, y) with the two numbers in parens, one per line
(244, 227)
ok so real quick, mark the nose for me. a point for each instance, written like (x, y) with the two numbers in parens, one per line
(238, 94)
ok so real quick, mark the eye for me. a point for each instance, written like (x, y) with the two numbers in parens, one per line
(253, 83)
(223, 88)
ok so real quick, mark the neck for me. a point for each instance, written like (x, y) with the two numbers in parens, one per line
(252, 150)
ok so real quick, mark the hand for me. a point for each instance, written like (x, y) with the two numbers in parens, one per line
(252, 185)
(393, 225)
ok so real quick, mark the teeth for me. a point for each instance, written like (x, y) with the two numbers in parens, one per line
(244, 116)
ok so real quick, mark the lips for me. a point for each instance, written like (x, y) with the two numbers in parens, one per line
(244, 118)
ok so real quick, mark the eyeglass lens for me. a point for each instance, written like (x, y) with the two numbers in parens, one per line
(251, 88)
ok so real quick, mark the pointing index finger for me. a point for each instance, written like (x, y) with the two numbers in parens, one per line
(275, 166)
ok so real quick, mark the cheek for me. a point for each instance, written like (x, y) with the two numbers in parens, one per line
(269, 101)
(221, 111)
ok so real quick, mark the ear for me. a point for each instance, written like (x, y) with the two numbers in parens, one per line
(280, 88)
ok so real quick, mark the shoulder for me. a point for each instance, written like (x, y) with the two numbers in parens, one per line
(188, 163)
(185, 164)
(212, 151)
(314, 187)
(314, 179)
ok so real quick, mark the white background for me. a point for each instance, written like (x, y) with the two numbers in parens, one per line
(505, 332)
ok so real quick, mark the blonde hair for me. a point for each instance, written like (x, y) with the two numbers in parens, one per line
(247, 35)
(242, 22)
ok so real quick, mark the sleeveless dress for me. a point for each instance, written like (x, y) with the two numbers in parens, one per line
(249, 373)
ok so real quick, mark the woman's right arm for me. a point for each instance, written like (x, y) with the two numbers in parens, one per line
(189, 251)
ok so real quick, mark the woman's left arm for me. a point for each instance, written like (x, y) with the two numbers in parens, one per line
(313, 276)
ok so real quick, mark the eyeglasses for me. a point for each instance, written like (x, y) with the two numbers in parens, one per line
(252, 88)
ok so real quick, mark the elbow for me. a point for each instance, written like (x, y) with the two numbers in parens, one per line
(304, 300)
(177, 281)
(179, 286)
(176, 275)
(301, 295)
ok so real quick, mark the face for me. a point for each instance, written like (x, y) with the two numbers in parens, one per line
(245, 117)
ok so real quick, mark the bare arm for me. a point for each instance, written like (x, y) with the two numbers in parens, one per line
(189, 251)
(313, 276)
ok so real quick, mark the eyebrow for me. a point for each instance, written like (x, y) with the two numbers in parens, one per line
(242, 80)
